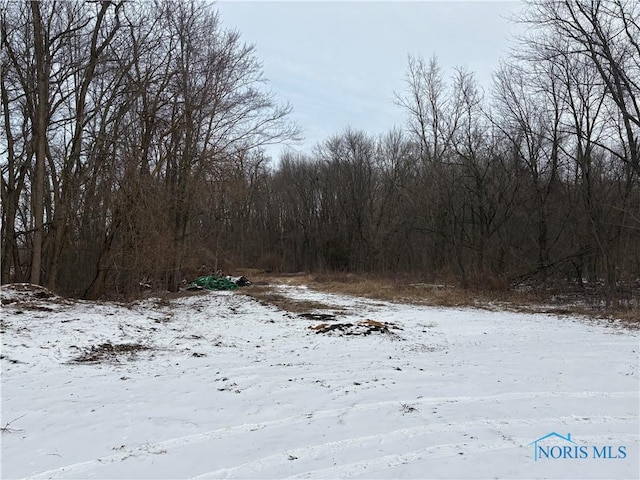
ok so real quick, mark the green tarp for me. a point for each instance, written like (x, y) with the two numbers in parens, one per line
(214, 283)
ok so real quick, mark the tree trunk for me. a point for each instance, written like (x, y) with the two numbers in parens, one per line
(11, 190)
(97, 285)
(40, 142)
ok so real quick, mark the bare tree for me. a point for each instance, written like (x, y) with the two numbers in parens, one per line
(219, 109)
(432, 118)
(14, 173)
(103, 28)
(590, 48)
(119, 103)
(604, 34)
(530, 121)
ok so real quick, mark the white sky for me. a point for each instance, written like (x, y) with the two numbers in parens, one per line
(339, 63)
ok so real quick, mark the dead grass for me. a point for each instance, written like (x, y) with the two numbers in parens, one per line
(400, 289)
(409, 289)
(629, 316)
(108, 352)
(265, 294)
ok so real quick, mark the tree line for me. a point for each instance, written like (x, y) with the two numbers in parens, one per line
(134, 153)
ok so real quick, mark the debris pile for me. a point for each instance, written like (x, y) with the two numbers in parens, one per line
(366, 327)
(214, 282)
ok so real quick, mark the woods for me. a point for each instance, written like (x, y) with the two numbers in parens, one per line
(117, 115)
(132, 151)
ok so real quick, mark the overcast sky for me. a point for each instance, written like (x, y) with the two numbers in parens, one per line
(339, 63)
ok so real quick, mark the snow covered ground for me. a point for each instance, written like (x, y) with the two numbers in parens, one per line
(217, 385)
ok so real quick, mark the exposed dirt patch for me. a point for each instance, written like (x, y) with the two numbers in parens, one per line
(108, 352)
(267, 296)
(318, 316)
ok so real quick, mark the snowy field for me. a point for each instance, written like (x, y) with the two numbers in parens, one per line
(217, 385)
